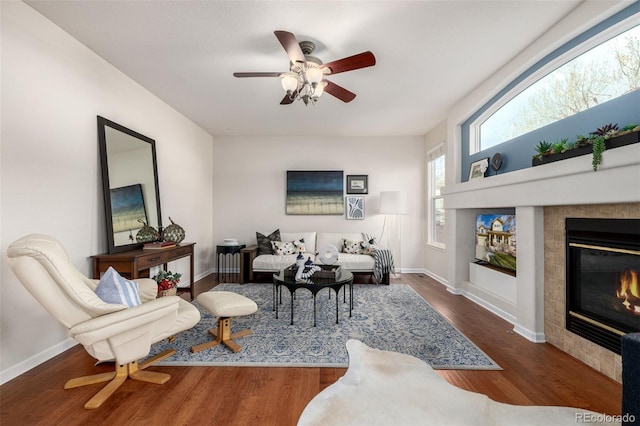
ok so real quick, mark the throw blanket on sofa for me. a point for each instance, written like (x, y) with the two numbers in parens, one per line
(383, 263)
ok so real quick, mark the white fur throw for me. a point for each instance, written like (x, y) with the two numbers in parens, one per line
(389, 388)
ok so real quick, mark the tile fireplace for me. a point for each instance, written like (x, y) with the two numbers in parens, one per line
(603, 290)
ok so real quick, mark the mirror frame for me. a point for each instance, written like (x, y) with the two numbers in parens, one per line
(103, 123)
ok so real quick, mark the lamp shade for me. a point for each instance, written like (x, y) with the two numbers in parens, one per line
(319, 90)
(289, 82)
(393, 202)
(314, 75)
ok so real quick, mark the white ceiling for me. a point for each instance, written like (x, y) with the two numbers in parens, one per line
(429, 54)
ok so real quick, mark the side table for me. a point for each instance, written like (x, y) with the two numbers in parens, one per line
(228, 257)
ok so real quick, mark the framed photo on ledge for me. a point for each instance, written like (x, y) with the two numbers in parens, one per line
(357, 184)
(478, 169)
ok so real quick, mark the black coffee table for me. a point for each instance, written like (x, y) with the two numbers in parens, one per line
(343, 278)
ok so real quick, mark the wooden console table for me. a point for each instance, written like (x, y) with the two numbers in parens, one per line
(136, 263)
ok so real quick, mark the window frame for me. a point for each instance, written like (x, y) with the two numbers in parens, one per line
(431, 217)
(539, 70)
(519, 150)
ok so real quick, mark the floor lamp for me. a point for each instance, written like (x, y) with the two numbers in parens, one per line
(393, 204)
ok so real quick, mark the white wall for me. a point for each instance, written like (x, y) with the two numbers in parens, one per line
(250, 186)
(436, 260)
(53, 88)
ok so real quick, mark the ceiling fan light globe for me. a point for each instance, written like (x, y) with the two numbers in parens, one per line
(314, 75)
(289, 83)
(318, 90)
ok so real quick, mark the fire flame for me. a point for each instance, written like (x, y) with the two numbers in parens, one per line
(630, 290)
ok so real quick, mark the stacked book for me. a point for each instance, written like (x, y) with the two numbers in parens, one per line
(159, 245)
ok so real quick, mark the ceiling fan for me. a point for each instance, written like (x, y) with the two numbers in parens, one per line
(305, 79)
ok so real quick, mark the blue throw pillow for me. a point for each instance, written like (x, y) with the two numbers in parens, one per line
(113, 288)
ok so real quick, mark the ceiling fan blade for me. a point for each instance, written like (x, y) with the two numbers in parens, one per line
(291, 46)
(339, 92)
(361, 60)
(289, 99)
(256, 74)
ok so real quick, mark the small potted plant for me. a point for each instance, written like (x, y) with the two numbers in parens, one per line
(167, 283)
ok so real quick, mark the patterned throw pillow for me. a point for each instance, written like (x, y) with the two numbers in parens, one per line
(113, 288)
(352, 247)
(283, 247)
(300, 248)
(264, 242)
(367, 247)
(357, 247)
(370, 244)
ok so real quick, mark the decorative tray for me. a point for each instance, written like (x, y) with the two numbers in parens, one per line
(328, 271)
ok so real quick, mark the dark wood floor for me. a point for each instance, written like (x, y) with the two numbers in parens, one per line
(534, 374)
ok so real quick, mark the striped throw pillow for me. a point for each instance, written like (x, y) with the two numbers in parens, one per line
(113, 288)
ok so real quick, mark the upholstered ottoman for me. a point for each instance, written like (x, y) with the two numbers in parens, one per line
(224, 305)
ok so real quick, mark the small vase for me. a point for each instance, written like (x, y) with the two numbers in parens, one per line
(147, 234)
(170, 292)
(173, 232)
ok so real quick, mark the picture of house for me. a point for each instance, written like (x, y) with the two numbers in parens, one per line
(496, 240)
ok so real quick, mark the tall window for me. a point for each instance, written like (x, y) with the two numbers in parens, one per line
(605, 72)
(435, 211)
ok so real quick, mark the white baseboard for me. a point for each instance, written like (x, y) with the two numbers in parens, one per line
(436, 277)
(455, 291)
(204, 274)
(490, 307)
(410, 271)
(529, 335)
(186, 284)
(511, 319)
(31, 362)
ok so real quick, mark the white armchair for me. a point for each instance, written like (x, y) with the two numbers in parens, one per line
(107, 331)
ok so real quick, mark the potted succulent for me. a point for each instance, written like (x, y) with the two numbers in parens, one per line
(543, 148)
(606, 137)
(167, 283)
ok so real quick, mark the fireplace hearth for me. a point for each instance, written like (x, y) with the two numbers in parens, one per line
(603, 293)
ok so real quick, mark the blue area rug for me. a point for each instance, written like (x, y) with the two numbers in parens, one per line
(393, 318)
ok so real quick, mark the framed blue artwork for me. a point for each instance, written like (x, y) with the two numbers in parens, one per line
(315, 192)
(127, 208)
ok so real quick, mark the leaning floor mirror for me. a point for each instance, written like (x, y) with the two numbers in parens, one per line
(130, 184)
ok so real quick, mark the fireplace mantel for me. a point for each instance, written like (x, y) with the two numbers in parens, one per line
(570, 181)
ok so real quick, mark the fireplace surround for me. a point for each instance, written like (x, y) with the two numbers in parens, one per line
(543, 198)
(602, 266)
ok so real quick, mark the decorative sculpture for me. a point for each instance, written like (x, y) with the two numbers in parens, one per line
(305, 269)
(173, 232)
(328, 254)
(147, 233)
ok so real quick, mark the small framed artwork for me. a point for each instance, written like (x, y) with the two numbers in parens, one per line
(478, 169)
(355, 207)
(357, 184)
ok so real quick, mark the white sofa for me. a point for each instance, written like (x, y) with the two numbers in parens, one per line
(253, 263)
